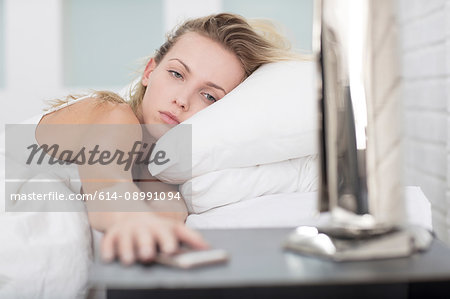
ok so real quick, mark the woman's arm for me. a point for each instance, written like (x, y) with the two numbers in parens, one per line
(132, 228)
(166, 201)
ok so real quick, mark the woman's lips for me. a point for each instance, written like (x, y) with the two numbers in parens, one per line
(169, 118)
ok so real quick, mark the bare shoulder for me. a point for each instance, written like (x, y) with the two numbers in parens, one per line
(92, 111)
(113, 113)
(86, 112)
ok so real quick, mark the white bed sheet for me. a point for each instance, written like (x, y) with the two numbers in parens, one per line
(293, 209)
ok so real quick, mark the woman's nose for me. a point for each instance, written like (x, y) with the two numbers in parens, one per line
(182, 102)
(181, 99)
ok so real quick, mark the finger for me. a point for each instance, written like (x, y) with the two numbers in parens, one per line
(190, 237)
(167, 240)
(107, 247)
(126, 249)
(145, 245)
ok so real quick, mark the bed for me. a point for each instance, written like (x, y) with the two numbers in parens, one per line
(48, 255)
(243, 174)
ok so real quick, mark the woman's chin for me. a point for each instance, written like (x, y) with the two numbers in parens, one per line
(158, 130)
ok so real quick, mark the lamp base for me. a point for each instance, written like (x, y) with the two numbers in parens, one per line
(328, 242)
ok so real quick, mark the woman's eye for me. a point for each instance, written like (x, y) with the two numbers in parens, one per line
(176, 74)
(209, 97)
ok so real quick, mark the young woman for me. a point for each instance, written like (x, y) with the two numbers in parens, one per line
(199, 64)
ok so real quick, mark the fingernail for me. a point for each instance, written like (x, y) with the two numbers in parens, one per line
(127, 259)
(107, 257)
(146, 252)
(168, 249)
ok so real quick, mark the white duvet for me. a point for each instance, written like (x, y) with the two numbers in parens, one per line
(44, 254)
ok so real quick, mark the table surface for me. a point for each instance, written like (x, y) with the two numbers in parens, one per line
(258, 259)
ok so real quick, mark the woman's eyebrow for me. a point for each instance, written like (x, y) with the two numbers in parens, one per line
(215, 86)
(207, 83)
(184, 64)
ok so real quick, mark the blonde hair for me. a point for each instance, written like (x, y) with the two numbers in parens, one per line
(254, 42)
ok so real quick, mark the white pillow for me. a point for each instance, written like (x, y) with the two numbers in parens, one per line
(228, 186)
(268, 118)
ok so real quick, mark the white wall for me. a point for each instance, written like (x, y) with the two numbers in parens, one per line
(32, 57)
(425, 48)
(175, 11)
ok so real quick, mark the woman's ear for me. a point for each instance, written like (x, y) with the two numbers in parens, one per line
(148, 69)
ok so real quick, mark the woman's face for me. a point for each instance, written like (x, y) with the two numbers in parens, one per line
(195, 73)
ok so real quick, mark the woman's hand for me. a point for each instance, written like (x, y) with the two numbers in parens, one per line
(135, 236)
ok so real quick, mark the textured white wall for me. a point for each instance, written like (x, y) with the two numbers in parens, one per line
(425, 49)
